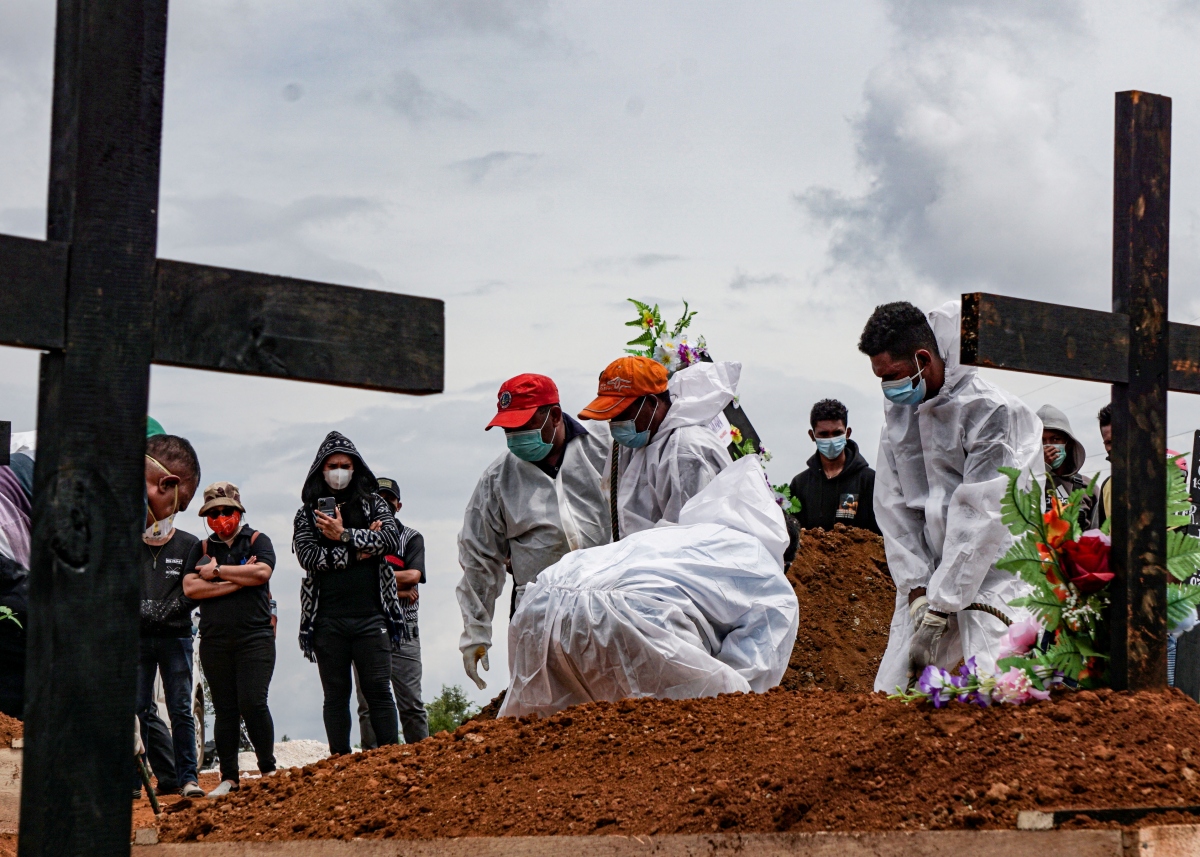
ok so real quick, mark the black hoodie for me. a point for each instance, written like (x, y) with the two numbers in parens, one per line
(319, 556)
(848, 498)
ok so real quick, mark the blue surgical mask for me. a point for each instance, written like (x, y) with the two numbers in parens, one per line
(905, 392)
(1060, 454)
(831, 447)
(625, 432)
(528, 445)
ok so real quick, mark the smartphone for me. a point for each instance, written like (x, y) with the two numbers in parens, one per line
(327, 506)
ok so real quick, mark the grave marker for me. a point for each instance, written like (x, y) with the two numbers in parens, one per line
(96, 298)
(1140, 354)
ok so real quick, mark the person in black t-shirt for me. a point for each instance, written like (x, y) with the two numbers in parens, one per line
(349, 612)
(237, 641)
(172, 473)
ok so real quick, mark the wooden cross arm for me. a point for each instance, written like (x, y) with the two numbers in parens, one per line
(1051, 339)
(236, 321)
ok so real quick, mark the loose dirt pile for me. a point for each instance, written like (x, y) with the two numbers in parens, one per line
(777, 761)
(846, 603)
(10, 728)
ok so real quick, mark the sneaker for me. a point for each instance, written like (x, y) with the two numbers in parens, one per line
(137, 794)
(224, 788)
(191, 790)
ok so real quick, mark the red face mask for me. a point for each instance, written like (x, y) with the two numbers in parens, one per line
(225, 526)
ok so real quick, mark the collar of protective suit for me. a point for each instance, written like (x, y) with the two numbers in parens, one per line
(699, 393)
(947, 330)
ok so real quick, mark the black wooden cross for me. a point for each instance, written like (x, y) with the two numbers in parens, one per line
(96, 298)
(1135, 349)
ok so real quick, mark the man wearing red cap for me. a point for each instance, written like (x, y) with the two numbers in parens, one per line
(539, 500)
(669, 448)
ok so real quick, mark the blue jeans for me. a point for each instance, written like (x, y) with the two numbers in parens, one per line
(172, 656)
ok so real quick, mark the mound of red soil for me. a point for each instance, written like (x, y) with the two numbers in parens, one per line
(777, 761)
(10, 728)
(846, 603)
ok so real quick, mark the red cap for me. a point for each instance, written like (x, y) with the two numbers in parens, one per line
(519, 397)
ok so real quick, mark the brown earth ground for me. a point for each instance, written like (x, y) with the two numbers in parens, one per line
(785, 760)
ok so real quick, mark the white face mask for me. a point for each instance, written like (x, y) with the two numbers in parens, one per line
(160, 529)
(340, 478)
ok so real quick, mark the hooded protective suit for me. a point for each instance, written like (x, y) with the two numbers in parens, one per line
(685, 453)
(937, 502)
(673, 612)
(519, 513)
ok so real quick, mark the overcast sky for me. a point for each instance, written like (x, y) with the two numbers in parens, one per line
(783, 166)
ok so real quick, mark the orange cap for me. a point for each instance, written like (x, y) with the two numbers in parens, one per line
(623, 381)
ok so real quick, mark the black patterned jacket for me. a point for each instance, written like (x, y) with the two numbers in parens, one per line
(316, 555)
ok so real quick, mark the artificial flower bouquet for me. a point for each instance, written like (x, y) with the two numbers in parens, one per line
(1067, 568)
(670, 347)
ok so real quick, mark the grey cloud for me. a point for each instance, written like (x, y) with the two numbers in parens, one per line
(629, 264)
(743, 280)
(510, 164)
(236, 224)
(408, 96)
(965, 185)
(520, 20)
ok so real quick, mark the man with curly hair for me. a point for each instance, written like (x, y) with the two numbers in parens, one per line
(839, 486)
(946, 433)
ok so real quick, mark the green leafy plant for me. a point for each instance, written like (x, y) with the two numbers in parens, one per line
(666, 345)
(449, 710)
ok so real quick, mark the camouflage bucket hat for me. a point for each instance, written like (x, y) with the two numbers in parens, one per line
(222, 494)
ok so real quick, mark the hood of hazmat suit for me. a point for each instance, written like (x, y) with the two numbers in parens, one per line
(685, 453)
(937, 503)
(519, 514)
(693, 609)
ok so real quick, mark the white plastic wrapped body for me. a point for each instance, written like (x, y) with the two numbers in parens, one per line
(937, 501)
(519, 513)
(675, 612)
(685, 453)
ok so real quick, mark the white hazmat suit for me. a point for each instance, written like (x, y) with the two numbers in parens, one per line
(684, 455)
(937, 502)
(519, 513)
(674, 612)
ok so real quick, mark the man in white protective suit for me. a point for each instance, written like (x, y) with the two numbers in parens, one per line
(539, 500)
(668, 448)
(937, 490)
(679, 611)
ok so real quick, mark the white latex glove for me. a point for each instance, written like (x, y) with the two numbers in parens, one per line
(924, 642)
(471, 660)
(917, 610)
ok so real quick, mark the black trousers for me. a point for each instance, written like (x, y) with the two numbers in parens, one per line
(239, 676)
(362, 643)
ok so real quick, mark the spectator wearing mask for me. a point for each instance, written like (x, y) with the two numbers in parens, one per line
(1064, 456)
(839, 485)
(408, 566)
(350, 615)
(1103, 508)
(237, 641)
(172, 474)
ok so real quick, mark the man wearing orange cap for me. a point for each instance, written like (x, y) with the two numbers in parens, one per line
(669, 449)
(539, 500)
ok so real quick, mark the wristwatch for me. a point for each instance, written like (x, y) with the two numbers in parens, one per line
(344, 538)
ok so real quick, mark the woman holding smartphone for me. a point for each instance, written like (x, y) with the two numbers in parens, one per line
(237, 637)
(349, 610)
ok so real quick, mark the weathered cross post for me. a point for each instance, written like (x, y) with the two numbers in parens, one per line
(1135, 349)
(95, 297)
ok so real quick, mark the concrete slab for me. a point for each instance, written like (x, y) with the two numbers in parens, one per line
(950, 843)
(1172, 840)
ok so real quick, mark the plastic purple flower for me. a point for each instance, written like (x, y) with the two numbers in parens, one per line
(937, 684)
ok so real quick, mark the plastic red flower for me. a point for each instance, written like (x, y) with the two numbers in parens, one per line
(1056, 527)
(1086, 561)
